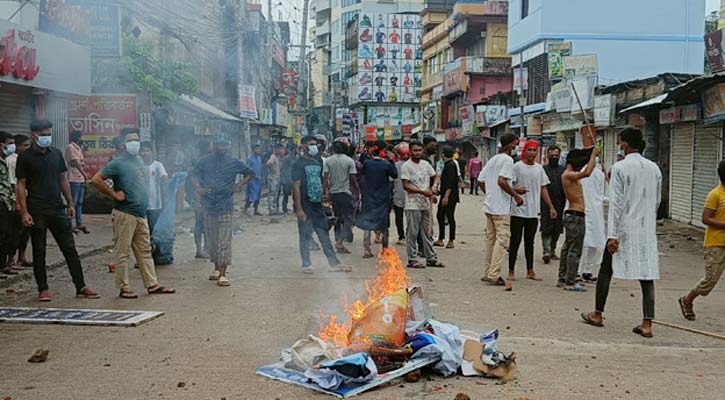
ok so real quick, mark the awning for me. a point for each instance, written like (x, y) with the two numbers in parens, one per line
(495, 124)
(417, 129)
(651, 102)
(201, 105)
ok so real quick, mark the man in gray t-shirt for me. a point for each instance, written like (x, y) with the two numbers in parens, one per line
(337, 170)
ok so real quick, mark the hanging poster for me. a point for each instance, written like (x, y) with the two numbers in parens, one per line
(556, 53)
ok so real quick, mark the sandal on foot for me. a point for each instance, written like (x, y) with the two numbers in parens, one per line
(509, 286)
(415, 265)
(638, 330)
(438, 243)
(686, 309)
(534, 277)
(223, 281)
(576, 288)
(588, 319)
(342, 250)
(161, 290)
(127, 295)
(368, 255)
(450, 245)
(496, 282)
(340, 268)
(215, 276)
(435, 264)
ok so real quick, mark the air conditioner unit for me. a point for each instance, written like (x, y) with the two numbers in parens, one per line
(484, 34)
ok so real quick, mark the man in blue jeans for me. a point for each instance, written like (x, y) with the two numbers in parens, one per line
(77, 177)
(308, 190)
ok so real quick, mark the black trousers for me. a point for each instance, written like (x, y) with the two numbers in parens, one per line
(60, 227)
(10, 231)
(474, 185)
(605, 278)
(399, 212)
(522, 228)
(447, 213)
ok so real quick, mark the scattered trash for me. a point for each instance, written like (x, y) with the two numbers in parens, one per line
(40, 355)
(181, 384)
(462, 396)
(390, 335)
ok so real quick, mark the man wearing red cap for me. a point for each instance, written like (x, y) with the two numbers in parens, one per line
(531, 179)
(495, 181)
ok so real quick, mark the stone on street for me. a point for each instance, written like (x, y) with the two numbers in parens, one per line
(211, 339)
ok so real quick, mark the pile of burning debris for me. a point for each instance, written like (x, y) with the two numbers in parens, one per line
(389, 335)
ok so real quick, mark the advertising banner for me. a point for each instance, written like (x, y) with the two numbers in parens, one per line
(580, 66)
(100, 119)
(247, 102)
(556, 53)
(715, 52)
(92, 23)
(604, 109)
(714, 104)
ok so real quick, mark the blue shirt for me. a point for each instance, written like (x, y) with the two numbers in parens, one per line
(218, 173)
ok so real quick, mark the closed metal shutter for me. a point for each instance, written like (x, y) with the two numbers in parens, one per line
(681, 162)
(610, 147)
(16, 108)
(56, 111)
(707, 144)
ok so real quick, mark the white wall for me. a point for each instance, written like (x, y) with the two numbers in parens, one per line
(633, 38)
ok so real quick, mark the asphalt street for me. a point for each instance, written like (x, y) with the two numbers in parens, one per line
(210, 339)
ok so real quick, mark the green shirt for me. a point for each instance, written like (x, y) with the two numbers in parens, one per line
(129, 175)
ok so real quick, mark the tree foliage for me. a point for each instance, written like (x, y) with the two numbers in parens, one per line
(163, 79)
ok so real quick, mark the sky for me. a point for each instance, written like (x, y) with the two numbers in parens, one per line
(712, 5)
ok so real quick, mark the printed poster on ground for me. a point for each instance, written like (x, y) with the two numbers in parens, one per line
(100, 119)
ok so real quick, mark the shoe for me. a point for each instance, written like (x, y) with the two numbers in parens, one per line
(400, 242)
(223, 281)
(87, 293)
(214, 276)
(83, 229)
(201, 255)
(342, 250)
(44, 296)
(438, 243)
(547, 259)
(450, 245)
(368, 254)
(308, 270)
(341, 268)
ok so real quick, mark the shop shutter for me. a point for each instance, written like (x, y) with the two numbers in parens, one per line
(681, 163)
(16, 108)
(707, 143)
(56, 111)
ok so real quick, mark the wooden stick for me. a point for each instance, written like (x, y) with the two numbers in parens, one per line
(586, 117)
(691, 330)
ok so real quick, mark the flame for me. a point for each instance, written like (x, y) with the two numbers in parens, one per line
(391, 277)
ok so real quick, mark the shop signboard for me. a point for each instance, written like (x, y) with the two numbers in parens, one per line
(468, 120)
(580, 66)
(556, 53)
(91, 23)
(604, 109)
(100, 118)
(33, 58)
(453, 77)
(713, 101)
(552, 123)
(686, 113)
(715, 50)
(521, 79)
(491, 115)
(247, 102)
(562, 95)
(280, 114)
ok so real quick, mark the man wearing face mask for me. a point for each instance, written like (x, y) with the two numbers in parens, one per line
(130, 207)
(9, 227)
(552, 228)
(76, 177)
(41, 174)
(308, 192)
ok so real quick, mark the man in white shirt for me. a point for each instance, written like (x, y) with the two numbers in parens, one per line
(595, 237)
(337, 172)
(156, 178)
(530, 180)
(416, 174)
(632, 253)
(274, 177)
(495, 180)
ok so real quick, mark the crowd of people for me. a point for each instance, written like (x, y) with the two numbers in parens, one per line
(338, 186)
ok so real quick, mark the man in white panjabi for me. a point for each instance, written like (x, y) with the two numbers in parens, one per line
(634, 197)
(595, 238)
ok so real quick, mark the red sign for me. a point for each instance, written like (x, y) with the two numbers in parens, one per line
(287, 83)
(100, 118)
(18, 60)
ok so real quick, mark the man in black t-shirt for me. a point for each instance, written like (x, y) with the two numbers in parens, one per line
(308, 193)
(41, 181)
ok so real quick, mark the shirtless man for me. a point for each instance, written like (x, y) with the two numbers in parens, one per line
(574, 222)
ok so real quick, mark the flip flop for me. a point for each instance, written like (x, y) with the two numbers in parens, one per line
(162, 290)
(415, 265)
(128, 295)
(686, 309)
(640, 332)
(534, 278)
(435, 264)
(590, 321)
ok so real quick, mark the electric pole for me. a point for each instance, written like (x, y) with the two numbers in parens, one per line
(303, 50)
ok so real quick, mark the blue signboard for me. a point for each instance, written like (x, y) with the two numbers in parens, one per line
(92, 23)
